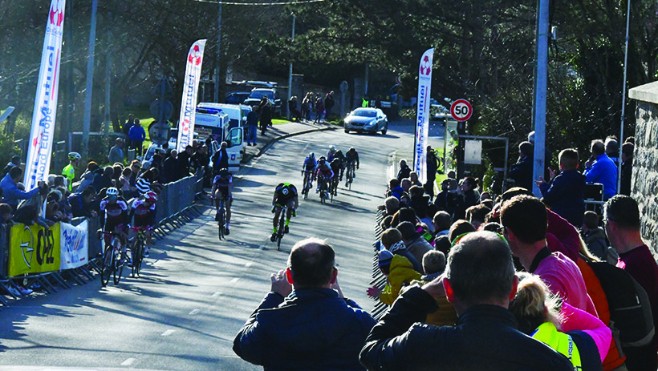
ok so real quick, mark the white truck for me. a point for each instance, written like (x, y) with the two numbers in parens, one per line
(222, 122)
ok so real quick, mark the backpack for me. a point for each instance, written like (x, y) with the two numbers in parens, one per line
(630, 308)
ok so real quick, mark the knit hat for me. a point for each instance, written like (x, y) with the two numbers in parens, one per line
(385, 258)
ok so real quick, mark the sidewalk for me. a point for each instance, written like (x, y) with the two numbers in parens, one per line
(278, 132)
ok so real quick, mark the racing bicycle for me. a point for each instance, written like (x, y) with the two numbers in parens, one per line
(137, 244)
(349, 176)
(308, 182)
(282, 225)
(114, 259)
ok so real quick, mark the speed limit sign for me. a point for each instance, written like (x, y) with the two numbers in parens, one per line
(461, 110)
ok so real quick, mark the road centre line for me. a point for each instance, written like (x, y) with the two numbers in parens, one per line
(128, 362)
(168, 332)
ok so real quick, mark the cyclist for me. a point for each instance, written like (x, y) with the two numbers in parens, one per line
(114, 211)
(143, 215)
(69, 170)
(323, 173)
(336, 166)
(284, 194)
(331, 153)
(339, 155)
(222, 189)
(352, 158)
(307, 171)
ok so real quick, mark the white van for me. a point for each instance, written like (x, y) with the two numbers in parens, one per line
(212, 120)
(237, 113)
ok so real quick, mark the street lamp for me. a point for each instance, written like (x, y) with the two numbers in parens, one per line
(292, 39)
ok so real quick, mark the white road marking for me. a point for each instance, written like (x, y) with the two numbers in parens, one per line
(128, 362)
(194, 311)
(248, 264)
(234, 280)
(168, 332)
(216, 294)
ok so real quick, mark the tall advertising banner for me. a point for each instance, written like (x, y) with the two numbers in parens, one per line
(423, 114)
(37, 164)
(188, 101)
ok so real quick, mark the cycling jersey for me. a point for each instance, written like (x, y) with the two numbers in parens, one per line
(143, 213)
(324, 171)
(222, 182)
(284, 199)
(352, 156)
(309, 164)
(336, 165)
(115, 213)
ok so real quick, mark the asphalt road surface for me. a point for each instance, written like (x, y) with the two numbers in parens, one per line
(195, 291)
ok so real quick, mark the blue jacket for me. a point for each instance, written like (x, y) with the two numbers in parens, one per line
(603, 171)
(565, 195)
(311, 329)
(137, 133)
(485, 338)
(11, 194)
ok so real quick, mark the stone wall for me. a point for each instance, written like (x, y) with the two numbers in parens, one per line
(644, 183)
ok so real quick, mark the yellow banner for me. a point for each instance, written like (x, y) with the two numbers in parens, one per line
(33, 249)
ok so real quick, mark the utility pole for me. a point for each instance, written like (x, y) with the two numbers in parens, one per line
(623, 96)
(219, 50)
(292, 39)
(90, 80)
(539, 107)
(108, 75)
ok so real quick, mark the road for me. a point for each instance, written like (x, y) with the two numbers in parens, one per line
(196, 292)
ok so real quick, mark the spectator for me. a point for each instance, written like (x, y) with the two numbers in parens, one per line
(252, 127)
(170, 168)
(116, 152)
(413, 177)
(83, 204)
(492, 227)
(626, 168)
(391, 240)
(135, 168)
(441, 222)
(621, 218)
(434, 264)
(612, 149)
(594, 236)
(319, 109)
(285, 331)
(104, 179)
(404, 170)
(394, 189)
(479, 281)
(448, 198)
(329, 103)
(600, 169)
(184, 162)
(391, 205)
(293, 112)
(117, 170)
(525, 222)
(125, 128)
(87, 178)
(10, 191)
(6, 214)
(431, 167)
(521, 172)
(458, 228)
(477, 214)
(399, 273)
(69, 170)
(413, 241)
(137, 135)
(15, 161)
(147, 181)
(442, 243)
(574, 333)
(420, 203)
(564, 193)
(265, 114)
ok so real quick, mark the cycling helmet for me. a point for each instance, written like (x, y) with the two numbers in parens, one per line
(151, 196)
(311, 155)
(352, 149)
(112, 191)
(332, 148)
(74, 156)
(284, 191)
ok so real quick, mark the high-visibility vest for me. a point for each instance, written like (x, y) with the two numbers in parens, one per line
(548, 334)
(69, 173)
(364, 102)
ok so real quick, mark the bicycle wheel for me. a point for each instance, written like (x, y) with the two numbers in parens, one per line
(138, 256)
(220, 224)
(282, 226)
(119, 263)
(107, 265)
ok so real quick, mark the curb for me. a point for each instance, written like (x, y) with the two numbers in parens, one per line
(247, 158)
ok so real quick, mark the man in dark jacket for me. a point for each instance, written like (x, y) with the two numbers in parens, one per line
(170, 168)
(479, 281)
(287, 331)
(431, 166)
(404, 170)
(521, 171)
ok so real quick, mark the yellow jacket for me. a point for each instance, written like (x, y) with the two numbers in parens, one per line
(401, 273)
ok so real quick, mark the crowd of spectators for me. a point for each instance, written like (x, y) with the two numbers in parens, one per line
(486, 281)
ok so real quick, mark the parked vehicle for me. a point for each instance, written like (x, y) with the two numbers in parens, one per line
(212, 120)
(258, 93)
(370, 120)
(237, 97)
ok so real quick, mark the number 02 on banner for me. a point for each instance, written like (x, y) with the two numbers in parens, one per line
(461, 110)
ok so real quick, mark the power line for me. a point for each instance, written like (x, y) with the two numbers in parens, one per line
(271, 3)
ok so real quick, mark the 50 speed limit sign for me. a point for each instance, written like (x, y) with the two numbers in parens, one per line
(461, 110)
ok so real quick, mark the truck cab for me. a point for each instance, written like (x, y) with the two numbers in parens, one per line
(212, 121)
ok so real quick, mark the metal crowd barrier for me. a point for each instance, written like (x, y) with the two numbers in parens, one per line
(176, 205)
(378, 278)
